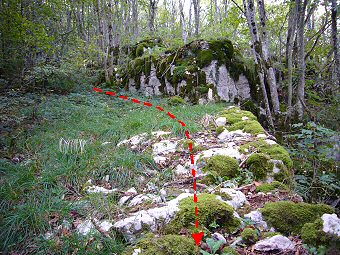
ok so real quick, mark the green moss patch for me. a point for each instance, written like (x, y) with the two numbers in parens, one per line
(211, 210)
(274, 151)
(289, 217)
(312, 233)
(259, 164)
(167, 245)
(224, 166)
(250, 235)
(230, 251)
(176, 100)
(219, 130)
(267, 187)
(186, 145)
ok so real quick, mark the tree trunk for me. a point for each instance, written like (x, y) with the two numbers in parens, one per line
(289, 55)
(182, 20)
(301, 64)
(266, 57)
(152, 15)
(335, 45)
(196, 4)
(249, 8)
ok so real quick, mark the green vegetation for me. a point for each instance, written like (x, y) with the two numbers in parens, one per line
(289, 217)
(176, 100)
(230, 251)
(224, 166)
(220, 129)
(43, 185)
(259, 164)
(210, 210)
(312, 233)
(166, 245)
(270, 234)
(267, 187)
(250, 235)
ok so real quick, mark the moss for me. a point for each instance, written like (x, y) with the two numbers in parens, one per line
(179, 74)
(176, 100)
(220, 129)
(195, 147)
(249, 235)
(230, 251)
(139, 50)
(205, 57)
(210, 210)
(225, 166)
(274, 151)
(223, 195)
(235, 115)
(167, 245)
(267, 187)
(248, 126)
(270, 234)
(312, 233)
(289, 217)
(259, 164)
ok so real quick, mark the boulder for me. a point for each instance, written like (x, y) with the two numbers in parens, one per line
(277, 242)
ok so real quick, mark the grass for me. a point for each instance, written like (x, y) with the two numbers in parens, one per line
(48, 184)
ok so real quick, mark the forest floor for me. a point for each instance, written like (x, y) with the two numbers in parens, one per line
(42, 183)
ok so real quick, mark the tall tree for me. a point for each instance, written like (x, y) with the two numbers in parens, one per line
(334, 15)
(197, 11)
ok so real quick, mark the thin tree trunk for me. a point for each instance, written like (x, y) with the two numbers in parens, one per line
(196, 4)
(182, 20)
(335, 44)
(266, 56)
(152, 15)
(301, 64)
(249, 8)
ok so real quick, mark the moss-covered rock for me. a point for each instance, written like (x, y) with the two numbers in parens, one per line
(275, 151)
(186, 145)
(270, 234)
(211, 210)
(259, 164)
(165, 245)
(230, 251)
(267, 187)
(224, 166)
(312, 233)
(289, 217)
(250, 235)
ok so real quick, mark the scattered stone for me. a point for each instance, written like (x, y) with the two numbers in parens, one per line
(277, 242)
(218, 237)
(124, 199)
(261, 136)
(97, 189)
(136, 251)
(135, 140)
(270, 142)
(105, 225)
(181, 170)
(256, 216)
(132, 191)
(159, 159)
(221, 121)
(140, 199)
(229, 151)
(164, 147)
(238, 198)
(85, 227)
(331, 224)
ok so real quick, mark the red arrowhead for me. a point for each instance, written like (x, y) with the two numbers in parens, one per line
(198, 237)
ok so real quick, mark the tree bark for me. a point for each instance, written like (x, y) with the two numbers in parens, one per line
(266, 57)
(196, 4)
(335, 44)
(152, 15)
(182, 20)
(249, 8)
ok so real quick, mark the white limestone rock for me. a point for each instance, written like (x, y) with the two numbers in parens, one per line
(277, 242)
(331, 224)
(181, 170)
(153, 218)
(261, 136)
(228, 151)
(132, 191)
(159, 159)
(256, 216)
(85, 227)
(140, 199)
(270, 142)
(135, 140)
(218, 237)
(221, 121)
(164, 147)
(238, 198)
(97, 189)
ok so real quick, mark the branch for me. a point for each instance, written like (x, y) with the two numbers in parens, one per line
(239, 7)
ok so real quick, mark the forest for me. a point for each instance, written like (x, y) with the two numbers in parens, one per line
(134, 126)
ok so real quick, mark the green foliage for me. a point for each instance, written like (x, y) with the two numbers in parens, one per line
(314, 149)
(220, 129)
(250, 235)
(288, 217)
(224, 166)
(230, 251)
(312, 233)
(176, 100)
(267, 187)
(211, 210)
(213, 245)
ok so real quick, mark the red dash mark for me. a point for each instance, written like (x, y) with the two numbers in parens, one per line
(135, 100)
(182, 123)
(124, 97)
(195, 198)
(187, 134)
(193, 171)
(192, 158)
(111, 93)
(147, 104)
(196, 210)
(97, 89)
(195, 184)
(190, 147)
(160, 108)
(171, 115)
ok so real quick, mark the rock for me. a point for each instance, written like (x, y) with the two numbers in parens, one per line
(153, 218)
(270, 142)
(261, 136)
(256, 216)
(210, 95)
(218, 237)
(135, 140)
(136, 251)
(277, 242)
(221, 121)
(163, 193)
(331, 224)
(245, 118)
(124, 199)
(132, 191)
(105, 225)
(85, 227)
(160, 133)
(140, 199)
(181, 170)
(159, 159)
(238, 198)
(229, 151)
(225, 135)
(164, 147)
(97, 189)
